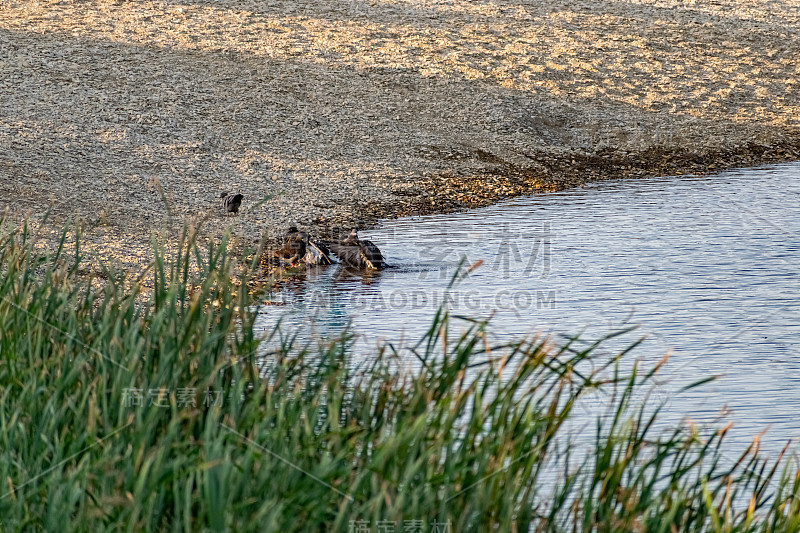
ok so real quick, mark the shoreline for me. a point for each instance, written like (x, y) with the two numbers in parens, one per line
(457, 193)
(135, 117)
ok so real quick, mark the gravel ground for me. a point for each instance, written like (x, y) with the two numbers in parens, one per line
(136, 115)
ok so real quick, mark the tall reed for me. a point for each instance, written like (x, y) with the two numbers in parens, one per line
(172, 415)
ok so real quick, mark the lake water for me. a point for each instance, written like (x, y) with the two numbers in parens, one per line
(707, 267)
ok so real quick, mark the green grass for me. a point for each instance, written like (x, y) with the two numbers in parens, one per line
(307, 438)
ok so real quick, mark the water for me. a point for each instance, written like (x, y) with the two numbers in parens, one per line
(705, 266)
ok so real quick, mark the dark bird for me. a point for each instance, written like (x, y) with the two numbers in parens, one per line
(295, 248)
(231, 202)
(358, 253)
(317, 252)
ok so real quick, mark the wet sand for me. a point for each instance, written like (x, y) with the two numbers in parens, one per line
(135, 116)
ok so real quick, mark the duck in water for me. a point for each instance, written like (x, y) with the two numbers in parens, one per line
(358, 253)
(317, 252)
(300, 247)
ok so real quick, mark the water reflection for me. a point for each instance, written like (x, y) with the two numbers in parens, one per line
(705, 266)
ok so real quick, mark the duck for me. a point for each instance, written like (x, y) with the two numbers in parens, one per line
(300, 248)
(358, 253)
(231, 202)
(317, 252)
(295, 248)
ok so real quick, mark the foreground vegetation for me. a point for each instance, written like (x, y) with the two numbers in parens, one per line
(115, 415)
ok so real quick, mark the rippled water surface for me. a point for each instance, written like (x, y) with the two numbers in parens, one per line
(707, 267)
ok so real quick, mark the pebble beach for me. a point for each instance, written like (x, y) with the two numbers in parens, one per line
(135, 116)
